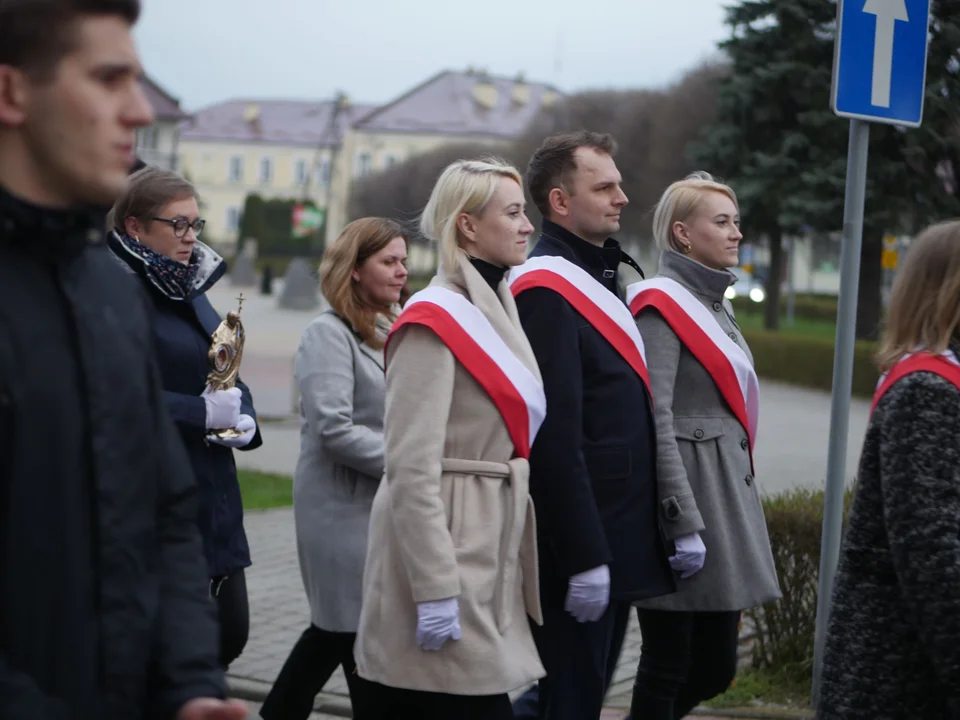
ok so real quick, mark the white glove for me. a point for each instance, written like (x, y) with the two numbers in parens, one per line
(223, 408)
(691, 553)
(246, 425)
(588, 594)
(437, 622)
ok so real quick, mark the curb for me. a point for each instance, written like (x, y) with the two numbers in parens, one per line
(754, 713)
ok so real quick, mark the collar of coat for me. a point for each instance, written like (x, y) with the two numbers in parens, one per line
(498, 307)
(602, 263)
(54, 234)
(694, 276)
(210, 267)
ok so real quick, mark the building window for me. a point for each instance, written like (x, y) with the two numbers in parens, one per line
(300, 172)
(235, 173)
(363, 165)
(322, 173)
(266, 171)
(147, 138)
(233, 219)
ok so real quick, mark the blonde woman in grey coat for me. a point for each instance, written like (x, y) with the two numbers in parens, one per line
(706, 400)
(340, 375)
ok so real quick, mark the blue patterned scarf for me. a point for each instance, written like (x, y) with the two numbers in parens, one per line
(173, 278)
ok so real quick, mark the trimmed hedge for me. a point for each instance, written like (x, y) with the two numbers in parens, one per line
(808, 361)
(785, 628)
(809, 307)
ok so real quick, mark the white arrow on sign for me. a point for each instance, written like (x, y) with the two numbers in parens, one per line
(887, 13)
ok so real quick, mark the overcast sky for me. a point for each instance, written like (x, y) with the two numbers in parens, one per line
(205, 51)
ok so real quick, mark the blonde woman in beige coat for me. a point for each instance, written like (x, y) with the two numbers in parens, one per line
(451, 569)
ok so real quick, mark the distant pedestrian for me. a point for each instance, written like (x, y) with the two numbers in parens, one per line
(340, 374)
(893, 638)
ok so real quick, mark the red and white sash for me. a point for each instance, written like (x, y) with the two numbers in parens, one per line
(476, 345)
(702, 335)
(945, 365)
(601, 308)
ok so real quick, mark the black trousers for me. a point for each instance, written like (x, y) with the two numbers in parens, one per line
(233, 610)
(685, 658)
(388, 703)
(579, 659)
(312, 661)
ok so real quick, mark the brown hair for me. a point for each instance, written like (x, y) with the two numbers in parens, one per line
(148, 191)
(553, 163)
(359, 241)
(925, 302)
(35, 35)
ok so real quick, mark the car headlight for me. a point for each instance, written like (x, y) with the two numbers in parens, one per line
(730, 293)
(757, 295)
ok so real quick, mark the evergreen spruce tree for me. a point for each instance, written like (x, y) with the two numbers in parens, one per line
(775, 139)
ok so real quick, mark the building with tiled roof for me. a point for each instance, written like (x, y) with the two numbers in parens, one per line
(158, 145)
(317, 149)
(275, 148)
(450, 107)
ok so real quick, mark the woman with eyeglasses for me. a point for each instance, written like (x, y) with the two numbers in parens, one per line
(154, 228)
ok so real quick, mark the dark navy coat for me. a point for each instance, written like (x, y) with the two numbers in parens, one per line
(183, 330)
(593, 465)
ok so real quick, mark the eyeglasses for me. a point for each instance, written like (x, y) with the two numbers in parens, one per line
(181, 225)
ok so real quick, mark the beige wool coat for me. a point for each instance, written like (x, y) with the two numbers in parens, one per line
(452, 518)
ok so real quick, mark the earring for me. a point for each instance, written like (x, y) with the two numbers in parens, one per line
(686, 249)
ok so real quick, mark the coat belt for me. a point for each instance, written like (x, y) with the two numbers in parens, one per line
(483, 468)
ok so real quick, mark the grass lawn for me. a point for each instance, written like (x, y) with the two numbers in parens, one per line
(264, 490)
(788, 688)
(801, 326)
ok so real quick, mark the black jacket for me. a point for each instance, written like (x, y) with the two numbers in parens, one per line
(105, 611)
(183, 330)
(593, 465)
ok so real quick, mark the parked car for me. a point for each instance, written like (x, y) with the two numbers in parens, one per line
(746, 285)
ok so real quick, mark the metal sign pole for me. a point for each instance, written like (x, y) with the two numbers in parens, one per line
(842, 379)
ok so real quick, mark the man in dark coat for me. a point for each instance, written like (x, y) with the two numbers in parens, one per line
(593, 466)
(105, 611)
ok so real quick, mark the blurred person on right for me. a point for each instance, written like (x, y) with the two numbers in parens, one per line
(893, 637)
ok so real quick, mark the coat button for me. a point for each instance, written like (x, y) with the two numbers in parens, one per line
(744, 444)
(748, 480)
(698, 434)
(717, 307)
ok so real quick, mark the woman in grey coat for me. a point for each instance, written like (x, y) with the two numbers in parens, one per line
(706, 404)
(340, 374)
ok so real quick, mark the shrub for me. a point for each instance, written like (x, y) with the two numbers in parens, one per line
(809, 307)
(808, 361)
(785, 628)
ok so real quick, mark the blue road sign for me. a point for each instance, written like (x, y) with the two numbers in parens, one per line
(880, 60)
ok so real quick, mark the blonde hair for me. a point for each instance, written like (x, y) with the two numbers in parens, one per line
(681, 200)
(358, 241)
(925, 301)
(465, 186)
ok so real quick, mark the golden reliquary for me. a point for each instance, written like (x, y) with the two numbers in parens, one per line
(225, 353)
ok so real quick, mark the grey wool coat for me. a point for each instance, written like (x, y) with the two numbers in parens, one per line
(703, 459)
(892, 649)
(342, 395)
